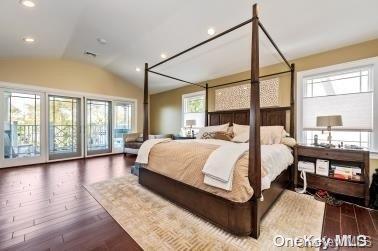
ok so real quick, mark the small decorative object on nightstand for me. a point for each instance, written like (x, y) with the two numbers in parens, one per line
(348, 170)
(190, 123)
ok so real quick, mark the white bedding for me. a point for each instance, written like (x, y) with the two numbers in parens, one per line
(274, 158)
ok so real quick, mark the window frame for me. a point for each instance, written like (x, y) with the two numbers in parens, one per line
(329, 70)
(189, 95)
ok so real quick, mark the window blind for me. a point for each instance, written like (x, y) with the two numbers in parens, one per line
(356, 110)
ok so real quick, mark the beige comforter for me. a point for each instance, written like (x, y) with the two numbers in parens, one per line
(184, 162)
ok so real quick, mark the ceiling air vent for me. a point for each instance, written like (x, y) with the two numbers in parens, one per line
(88, 53)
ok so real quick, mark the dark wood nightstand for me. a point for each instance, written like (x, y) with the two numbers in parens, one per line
(182, 137)
(358, 188)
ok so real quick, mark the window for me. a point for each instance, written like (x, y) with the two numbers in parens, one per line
(347, 91)
(194, 109)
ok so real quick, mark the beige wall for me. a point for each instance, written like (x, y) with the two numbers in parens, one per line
(166, 106)
(71, 76)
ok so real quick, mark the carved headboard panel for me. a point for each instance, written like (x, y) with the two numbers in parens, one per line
(269, 117)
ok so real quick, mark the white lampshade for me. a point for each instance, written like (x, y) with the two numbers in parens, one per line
(190, 122)
(326, 121)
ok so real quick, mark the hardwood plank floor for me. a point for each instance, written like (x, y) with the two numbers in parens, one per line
(45, 207)
(350, 219)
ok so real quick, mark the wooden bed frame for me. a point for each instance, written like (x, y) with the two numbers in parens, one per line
(237, 218)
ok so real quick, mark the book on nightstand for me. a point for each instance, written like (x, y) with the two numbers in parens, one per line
(345, 172)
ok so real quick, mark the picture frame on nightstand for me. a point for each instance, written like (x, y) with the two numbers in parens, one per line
(322, 167)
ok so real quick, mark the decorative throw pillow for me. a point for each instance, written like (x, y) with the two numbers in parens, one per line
(208, 135)
(220, 128)
(218, 135)
(224, 135)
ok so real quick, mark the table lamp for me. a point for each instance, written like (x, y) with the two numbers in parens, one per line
(329, 121)
(191, 123)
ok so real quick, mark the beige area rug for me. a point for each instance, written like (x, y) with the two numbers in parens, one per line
(157, 224)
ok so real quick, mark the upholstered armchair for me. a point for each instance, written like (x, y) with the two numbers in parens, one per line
(133, 141)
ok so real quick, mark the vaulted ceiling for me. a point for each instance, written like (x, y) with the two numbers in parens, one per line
(138, 31)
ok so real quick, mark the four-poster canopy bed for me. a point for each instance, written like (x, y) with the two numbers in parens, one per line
(237, 218)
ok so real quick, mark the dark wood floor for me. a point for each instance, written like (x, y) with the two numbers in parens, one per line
(45, 207)
(351, 219)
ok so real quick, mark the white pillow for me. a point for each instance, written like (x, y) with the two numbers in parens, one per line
(272, 134)
(291, 142)
(220, 128)
(269, 135)
(241, 137)
(240, 129)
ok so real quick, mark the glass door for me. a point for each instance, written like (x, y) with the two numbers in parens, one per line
(22, 141)
(123, 121)
(98, 126)
(64, 127)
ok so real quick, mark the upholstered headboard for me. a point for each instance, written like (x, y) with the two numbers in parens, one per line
(269, 117)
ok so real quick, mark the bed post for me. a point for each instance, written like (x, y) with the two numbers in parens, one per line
(292, 93)
(145, 103)
(207, 105)
(254, 168)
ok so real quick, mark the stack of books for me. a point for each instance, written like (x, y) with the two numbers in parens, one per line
(345, 172)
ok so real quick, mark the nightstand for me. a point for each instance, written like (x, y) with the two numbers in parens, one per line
(182, 137)
(357, 188)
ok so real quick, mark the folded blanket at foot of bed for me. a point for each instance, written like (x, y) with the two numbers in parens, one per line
(219, 167)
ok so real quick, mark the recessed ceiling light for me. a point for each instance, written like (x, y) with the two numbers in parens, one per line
(163, 55)
(102, 40)
(137, 69)
(28, 40)
(27, 3)
(211, 31)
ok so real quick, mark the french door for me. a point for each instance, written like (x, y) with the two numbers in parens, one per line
(64, 134)
(37, 126)
(98, 126)
(123, 122)
(22, 127)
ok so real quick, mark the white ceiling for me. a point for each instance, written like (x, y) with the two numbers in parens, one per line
(138, 31)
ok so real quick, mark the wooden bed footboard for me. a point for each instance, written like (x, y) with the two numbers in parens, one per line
(233, 217)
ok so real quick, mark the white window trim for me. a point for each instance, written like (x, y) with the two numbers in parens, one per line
(333, 68)
(188, 95)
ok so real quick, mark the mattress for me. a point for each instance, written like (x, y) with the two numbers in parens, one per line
(183, 160)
